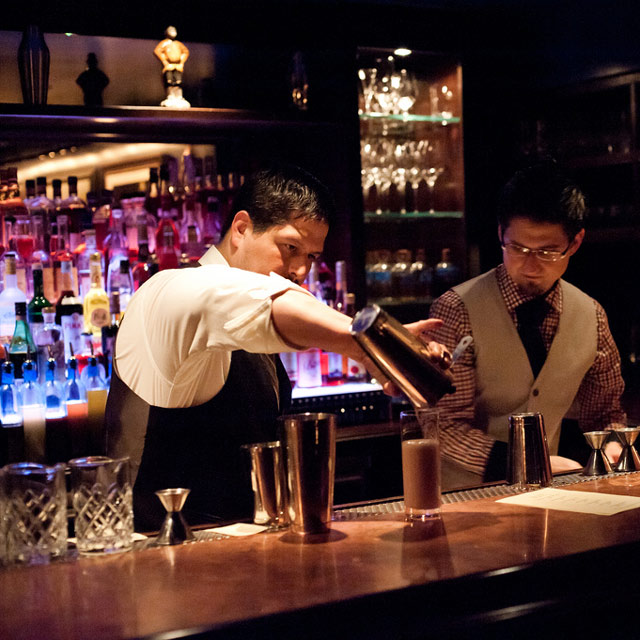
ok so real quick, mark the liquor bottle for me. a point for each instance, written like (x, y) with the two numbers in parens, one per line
(79, 215)
(96, 302)
(401, 276)
(55, 413)
(33, 413)
(83, 261)
(42, 206)
(310, 368)
(341, 286)
(110, 332)
(56, 186)
(75, 399)
(290, 362)
(210, 203)
(69, 313)
(97, 390)
(190, 236)
(422, 275)
(49, 339)
(30, 192)
(446, 273)
(10, 409)
(120, 280)
(13, 205)
(116, 246)
(11, 429)
(167, 236)
(8, 298)
(145, 267)
(40, 255)
(60, 250)
(355, 371)
(100, 217)
(135, 214)
(22, 341)
(38, 302)
(167, 245)
(152, 197)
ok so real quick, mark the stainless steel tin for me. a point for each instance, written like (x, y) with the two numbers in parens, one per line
(528, 464)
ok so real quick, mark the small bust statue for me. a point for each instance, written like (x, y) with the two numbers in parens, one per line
(92, 81)
(173, 54)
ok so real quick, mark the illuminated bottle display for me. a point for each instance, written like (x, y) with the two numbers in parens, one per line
(96, 302)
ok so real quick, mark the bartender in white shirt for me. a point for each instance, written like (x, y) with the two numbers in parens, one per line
(196, 373)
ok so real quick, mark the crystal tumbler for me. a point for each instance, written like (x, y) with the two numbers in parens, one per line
(102, 501)
(35, 512)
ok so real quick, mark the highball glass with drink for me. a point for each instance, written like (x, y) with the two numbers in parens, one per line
(421, 463)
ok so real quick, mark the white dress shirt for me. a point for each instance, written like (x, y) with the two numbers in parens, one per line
(175, 341)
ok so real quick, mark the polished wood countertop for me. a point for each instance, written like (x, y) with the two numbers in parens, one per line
(482, 563)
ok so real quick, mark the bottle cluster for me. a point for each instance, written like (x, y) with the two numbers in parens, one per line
(406, 276)
(316, 367)
(69, 267)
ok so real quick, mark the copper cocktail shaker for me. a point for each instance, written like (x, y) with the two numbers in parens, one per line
(401, 356)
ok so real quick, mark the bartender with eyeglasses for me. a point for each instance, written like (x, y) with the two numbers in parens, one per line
(539, 343)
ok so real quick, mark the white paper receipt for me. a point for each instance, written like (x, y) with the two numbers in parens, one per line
(602, 504)
(239, 529)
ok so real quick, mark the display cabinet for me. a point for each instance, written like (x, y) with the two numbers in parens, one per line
(412, 177)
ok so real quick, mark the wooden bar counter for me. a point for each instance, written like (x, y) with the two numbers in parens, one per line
(484, 570)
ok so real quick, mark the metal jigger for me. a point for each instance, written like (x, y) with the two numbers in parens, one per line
(598, 463)
(629, 459)
(175, 529)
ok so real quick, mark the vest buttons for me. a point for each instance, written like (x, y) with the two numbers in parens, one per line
(535, 393)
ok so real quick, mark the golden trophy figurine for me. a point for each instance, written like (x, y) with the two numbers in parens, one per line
(173, 54)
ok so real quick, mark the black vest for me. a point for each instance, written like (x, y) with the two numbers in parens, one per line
(200, 447)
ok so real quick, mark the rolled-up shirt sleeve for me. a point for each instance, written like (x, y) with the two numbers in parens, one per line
(175, 342)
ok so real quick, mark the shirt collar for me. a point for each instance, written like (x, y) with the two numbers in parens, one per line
(213, 256)
(514, 297)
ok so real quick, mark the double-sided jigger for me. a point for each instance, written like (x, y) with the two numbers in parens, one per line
(629, 459)
(175, 529)
(598, 463)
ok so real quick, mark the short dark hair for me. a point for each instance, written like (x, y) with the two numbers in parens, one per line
(272, 196)
(543, 193)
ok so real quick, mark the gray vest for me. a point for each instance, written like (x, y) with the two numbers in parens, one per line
(504, 380)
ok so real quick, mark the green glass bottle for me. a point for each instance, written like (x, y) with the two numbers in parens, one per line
(22, 343)
(39, 301)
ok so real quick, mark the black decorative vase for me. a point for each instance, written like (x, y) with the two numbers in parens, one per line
(33, 63)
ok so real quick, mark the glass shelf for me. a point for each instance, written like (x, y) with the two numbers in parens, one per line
(409, 117)
(411, 215)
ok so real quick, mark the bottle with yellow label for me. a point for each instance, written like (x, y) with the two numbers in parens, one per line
(96, 301)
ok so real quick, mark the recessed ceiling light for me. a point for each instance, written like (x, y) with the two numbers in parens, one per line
(402, 51)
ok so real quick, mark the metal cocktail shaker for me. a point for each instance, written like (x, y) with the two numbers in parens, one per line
(528, 463)
(310, 445)
(401, 356)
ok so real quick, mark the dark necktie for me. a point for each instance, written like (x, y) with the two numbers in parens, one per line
(530, 316)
